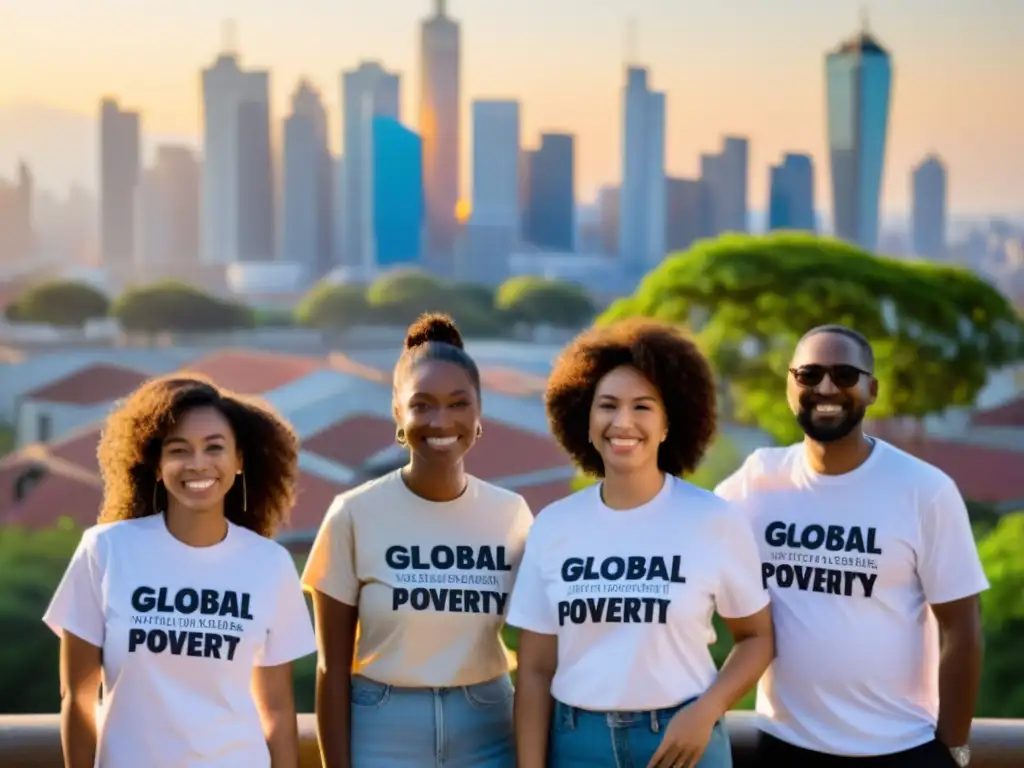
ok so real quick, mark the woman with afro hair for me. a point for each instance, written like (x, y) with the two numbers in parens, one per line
(619, 581)
(423, 560)
(178, 605)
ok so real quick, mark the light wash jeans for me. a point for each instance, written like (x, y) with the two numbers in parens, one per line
(465, 727)
(581, 738)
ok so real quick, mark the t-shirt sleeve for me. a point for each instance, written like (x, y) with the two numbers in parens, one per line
(290, 634)
(741, 588)
(948, 563)
(529, 607)
(77, 605)
(331, 566)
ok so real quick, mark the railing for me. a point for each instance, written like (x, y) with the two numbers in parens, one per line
(33, 741)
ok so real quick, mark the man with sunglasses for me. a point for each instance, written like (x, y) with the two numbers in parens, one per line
(871, 564)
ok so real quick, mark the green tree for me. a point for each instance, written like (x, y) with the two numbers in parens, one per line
(329, 306)
(402, 295)
(937, 329)
(31, 566)
(173, 306)
(541, 301)
(1002, 694)
(63, 303)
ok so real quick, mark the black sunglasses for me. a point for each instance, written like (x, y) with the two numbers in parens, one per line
(843, 376)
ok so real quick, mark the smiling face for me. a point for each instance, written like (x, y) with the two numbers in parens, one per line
(627, 421)
(437, 406)
(199, 461)
(830, 386)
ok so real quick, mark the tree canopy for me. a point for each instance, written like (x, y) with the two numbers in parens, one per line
(542, 301)
(64, 303)
(333, 307)
(937, 330)
(173, 306)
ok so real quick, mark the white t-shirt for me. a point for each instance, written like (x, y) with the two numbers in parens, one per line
(181, 629)
(630, 594)
(852, 563)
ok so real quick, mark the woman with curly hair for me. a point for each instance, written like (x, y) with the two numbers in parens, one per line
(619, 581)
(423, 559)
(178, 604)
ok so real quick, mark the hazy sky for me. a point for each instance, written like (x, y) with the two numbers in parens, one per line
(752, 67)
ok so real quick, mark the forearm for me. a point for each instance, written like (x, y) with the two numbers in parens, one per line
(333, 717)
(746, 663)
(283, 741)
(78, 732)
(959, 678)
(533, 705)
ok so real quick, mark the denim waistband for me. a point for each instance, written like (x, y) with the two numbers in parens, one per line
(399, 689)
(655, 719)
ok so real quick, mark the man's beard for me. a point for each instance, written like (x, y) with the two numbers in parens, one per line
(830, 432)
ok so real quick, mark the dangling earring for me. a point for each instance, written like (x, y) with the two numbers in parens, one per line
(400, 436)
(479, 431)
(245, 495)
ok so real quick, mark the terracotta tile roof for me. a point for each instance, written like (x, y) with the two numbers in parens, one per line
(539, 496)
(512, 382)
(1009, 414)
(250, 372)
(983, 474)
(56, 496)
(314, 497)
(345, 364)
(78, 449)
(353, 441)
(506, 451)
(93, 384)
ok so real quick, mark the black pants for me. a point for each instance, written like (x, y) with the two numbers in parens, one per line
(773, 752)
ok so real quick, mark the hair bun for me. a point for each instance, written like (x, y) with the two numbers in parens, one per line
(433, 326)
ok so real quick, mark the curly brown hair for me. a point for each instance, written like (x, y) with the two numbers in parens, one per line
(130, 444)
(667, 358)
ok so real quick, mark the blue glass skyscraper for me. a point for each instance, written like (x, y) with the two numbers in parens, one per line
(791, 194)
(398, 205)
(858, 84)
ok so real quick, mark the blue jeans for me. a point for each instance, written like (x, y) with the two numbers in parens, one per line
(465, 727)
(584, 739)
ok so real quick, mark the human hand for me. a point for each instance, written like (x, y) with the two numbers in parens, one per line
(686, 737)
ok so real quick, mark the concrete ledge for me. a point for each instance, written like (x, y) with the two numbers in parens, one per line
(33, 741)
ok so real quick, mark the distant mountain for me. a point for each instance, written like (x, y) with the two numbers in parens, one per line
(61, 147)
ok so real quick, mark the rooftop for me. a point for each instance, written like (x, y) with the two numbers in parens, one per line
(91, 385)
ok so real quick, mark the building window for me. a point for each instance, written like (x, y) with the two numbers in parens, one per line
(44, 427)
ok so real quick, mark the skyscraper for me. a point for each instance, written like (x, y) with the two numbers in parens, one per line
(929, 208)
(167, 211)
(396, 172)
(119, 175)
(237, 211)
(791, 194)
(551, 219)
(17, 239)
(494, 223)
(858, 85)
(642, 202)
(725, 186)
(367, 92)
(440, 101)
(307, 223)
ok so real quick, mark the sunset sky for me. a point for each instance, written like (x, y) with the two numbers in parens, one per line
(748, 67)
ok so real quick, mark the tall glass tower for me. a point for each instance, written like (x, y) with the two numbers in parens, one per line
(858, 81)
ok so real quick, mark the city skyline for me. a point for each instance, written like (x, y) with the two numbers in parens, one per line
(977, 133)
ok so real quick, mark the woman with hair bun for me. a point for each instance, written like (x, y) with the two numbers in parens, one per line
(423, 559)
(179, 605)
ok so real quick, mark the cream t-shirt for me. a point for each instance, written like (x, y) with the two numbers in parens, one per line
(431, 579)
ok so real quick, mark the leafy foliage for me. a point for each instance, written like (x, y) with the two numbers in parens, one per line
(63, 303)
(333, 307)
(536, 301)
(937, 329)
(174, 306)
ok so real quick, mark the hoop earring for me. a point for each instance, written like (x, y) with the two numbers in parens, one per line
(400, 436)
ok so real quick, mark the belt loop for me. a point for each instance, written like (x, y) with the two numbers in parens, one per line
(655, 725)
(571, 717)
